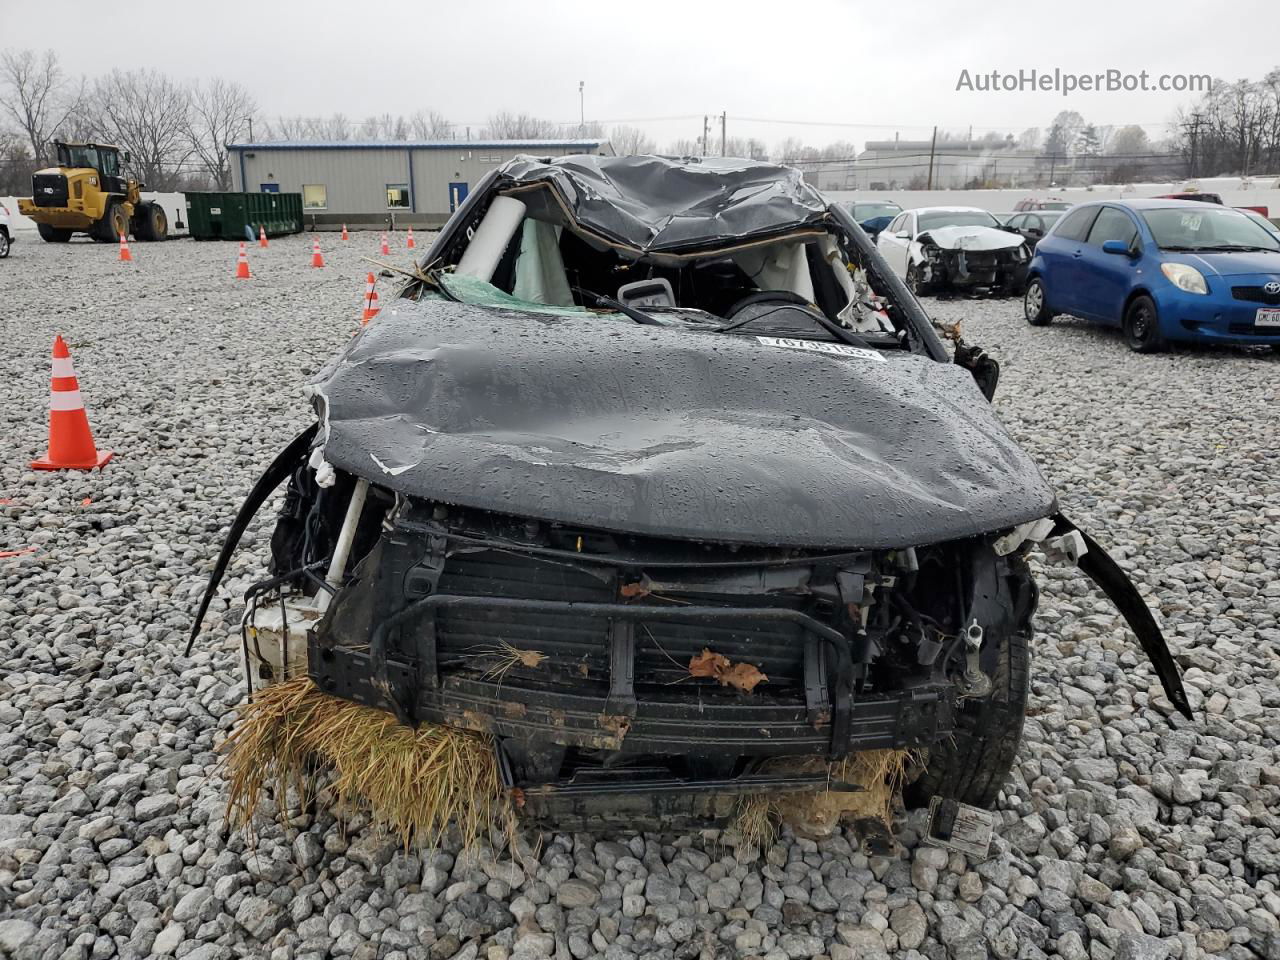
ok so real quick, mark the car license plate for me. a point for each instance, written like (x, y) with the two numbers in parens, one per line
(1267, 317)
(215, 210)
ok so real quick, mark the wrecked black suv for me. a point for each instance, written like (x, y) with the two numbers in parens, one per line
(659, 477)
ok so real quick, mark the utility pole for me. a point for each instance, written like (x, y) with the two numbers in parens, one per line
(1195, 137)
(582, 110)
(1053, 165)
(723, 123)
(706, 132)
(933, 146)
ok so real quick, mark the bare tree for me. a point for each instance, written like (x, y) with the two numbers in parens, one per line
(1029, 139)
(337, 127)
(37, 96)
(220, 113)
(1064, 133)
(16, 163)
(1129, 140)
(631, 141)
(430, 126)
(518, 126)
(839, 150)
(792, 149)
(684, 148)
(283, 128)
(746, 147)
(146, 113)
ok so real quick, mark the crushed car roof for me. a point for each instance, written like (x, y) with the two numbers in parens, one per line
(659, 204)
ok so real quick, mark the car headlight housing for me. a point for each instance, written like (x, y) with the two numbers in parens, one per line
(1184, 277)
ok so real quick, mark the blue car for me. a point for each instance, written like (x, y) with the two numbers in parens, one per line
(1162, 270)
(872, 215)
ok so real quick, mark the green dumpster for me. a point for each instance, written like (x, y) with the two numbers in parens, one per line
(237, 216)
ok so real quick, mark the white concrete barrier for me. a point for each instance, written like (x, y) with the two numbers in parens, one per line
(1235, 191)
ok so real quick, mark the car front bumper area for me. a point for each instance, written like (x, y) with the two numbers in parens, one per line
(1218, 316)
(534, 728)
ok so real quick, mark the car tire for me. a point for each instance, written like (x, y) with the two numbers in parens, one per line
(1035, 306)
(916, 285)
(1142, 326)
(973, 764)
(4, 244)
(53, 234)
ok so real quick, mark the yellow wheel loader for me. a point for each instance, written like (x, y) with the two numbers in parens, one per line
(88, 192)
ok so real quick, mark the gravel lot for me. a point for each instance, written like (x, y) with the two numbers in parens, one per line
(1126, 832)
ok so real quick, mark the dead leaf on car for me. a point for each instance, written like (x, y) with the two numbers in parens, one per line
(740, 676)
(708, 664)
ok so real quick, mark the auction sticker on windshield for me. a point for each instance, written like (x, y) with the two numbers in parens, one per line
(839, 349)
(1267, 317)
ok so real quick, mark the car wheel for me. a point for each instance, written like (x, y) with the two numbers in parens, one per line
(1142, 326)
(1034, 305)
(973, 764)
(914, 282)
(4, 244)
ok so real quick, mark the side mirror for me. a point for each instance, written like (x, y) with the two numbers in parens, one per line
(1116, 247)
(126, 157)
(1035, 231)
(903, 234)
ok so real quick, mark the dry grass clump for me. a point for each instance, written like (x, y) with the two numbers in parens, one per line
(506, 657)
(880, 773)
(413, 782)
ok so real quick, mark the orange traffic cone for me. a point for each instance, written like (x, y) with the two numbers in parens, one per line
(70, 442)
(409, 242)
(344, 232)
(125, 255)
(262, 236)
(386, 250)
(370, 301)
(317, 258)
(242, 264)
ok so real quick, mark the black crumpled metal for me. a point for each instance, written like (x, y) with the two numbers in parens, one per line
(657, 204)
(669, 431)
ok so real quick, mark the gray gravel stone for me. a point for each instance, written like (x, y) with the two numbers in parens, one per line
(1119, 836)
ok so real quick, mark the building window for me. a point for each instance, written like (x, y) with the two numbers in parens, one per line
(314, 196)
(397, 196)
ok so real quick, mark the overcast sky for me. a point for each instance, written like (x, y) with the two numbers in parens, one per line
(888, 65)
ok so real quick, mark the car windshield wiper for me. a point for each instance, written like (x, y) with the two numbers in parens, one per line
(602, 301)
(1245, 247)
(1221, 248)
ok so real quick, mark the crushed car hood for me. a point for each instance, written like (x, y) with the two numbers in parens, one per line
(655, 204)
(971, 238)
(670, 432)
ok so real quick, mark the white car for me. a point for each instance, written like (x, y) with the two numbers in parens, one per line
(935, 247)
(6, 232)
